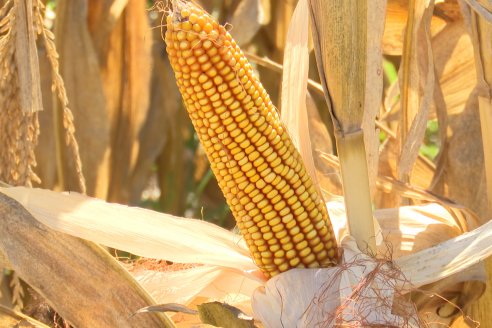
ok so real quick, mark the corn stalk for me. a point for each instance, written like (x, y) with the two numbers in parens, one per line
(340, 42)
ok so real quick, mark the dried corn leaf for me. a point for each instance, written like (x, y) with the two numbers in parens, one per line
(463, 178)
(480, 25)
(462, 216)
(416, 84)
(228, 268)
(46, 168)
(160, 131)
(26, 57)
(102, 18)
(84, 89)
(277, 30)
(72, 274)
(166, 237)
(125, 59)
(396, 19)
(374, 87)
(10, 318)
(222, 315)
(454, 65)
(247, 19)
(327, 176)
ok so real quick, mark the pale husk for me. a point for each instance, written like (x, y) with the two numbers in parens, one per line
(180, 240)
(294, 85)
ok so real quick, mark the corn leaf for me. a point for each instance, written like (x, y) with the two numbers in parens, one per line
(72, 274)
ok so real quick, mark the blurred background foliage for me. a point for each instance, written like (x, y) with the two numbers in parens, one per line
(137, 145)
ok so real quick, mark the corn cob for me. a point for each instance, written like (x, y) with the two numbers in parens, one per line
(277, 208)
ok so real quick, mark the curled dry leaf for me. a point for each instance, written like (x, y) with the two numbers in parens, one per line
(78, 278)
(168, 307)
(223, 315)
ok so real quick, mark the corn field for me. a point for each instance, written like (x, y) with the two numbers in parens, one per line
(245, 163)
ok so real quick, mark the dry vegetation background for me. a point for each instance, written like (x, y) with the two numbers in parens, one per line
(101, 114)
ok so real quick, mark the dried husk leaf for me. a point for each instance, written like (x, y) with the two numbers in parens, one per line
(294, 86)
(166, 237)
(324, 290)
(359, 292)
(183, 286)
(84, 89)
(227, 267)
(72, 274)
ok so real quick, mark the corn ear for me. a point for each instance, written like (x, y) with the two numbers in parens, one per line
(277, 208)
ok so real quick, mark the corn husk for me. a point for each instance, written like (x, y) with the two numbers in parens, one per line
(226, 268)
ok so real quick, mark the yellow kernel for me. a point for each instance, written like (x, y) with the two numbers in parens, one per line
(186, 26)
(184, 45)
(283, 267)
(193, 18)
(207, 44)
(180, 36)
(302, 245)
(281, 234)
(295, 262)
(201, 21)
(260, 183)
(268, 236)
(298, 237)
(291, 253)
(208, 27)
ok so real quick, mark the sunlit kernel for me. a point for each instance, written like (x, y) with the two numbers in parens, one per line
(184, 44)
(207, 44)
(208, 27)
